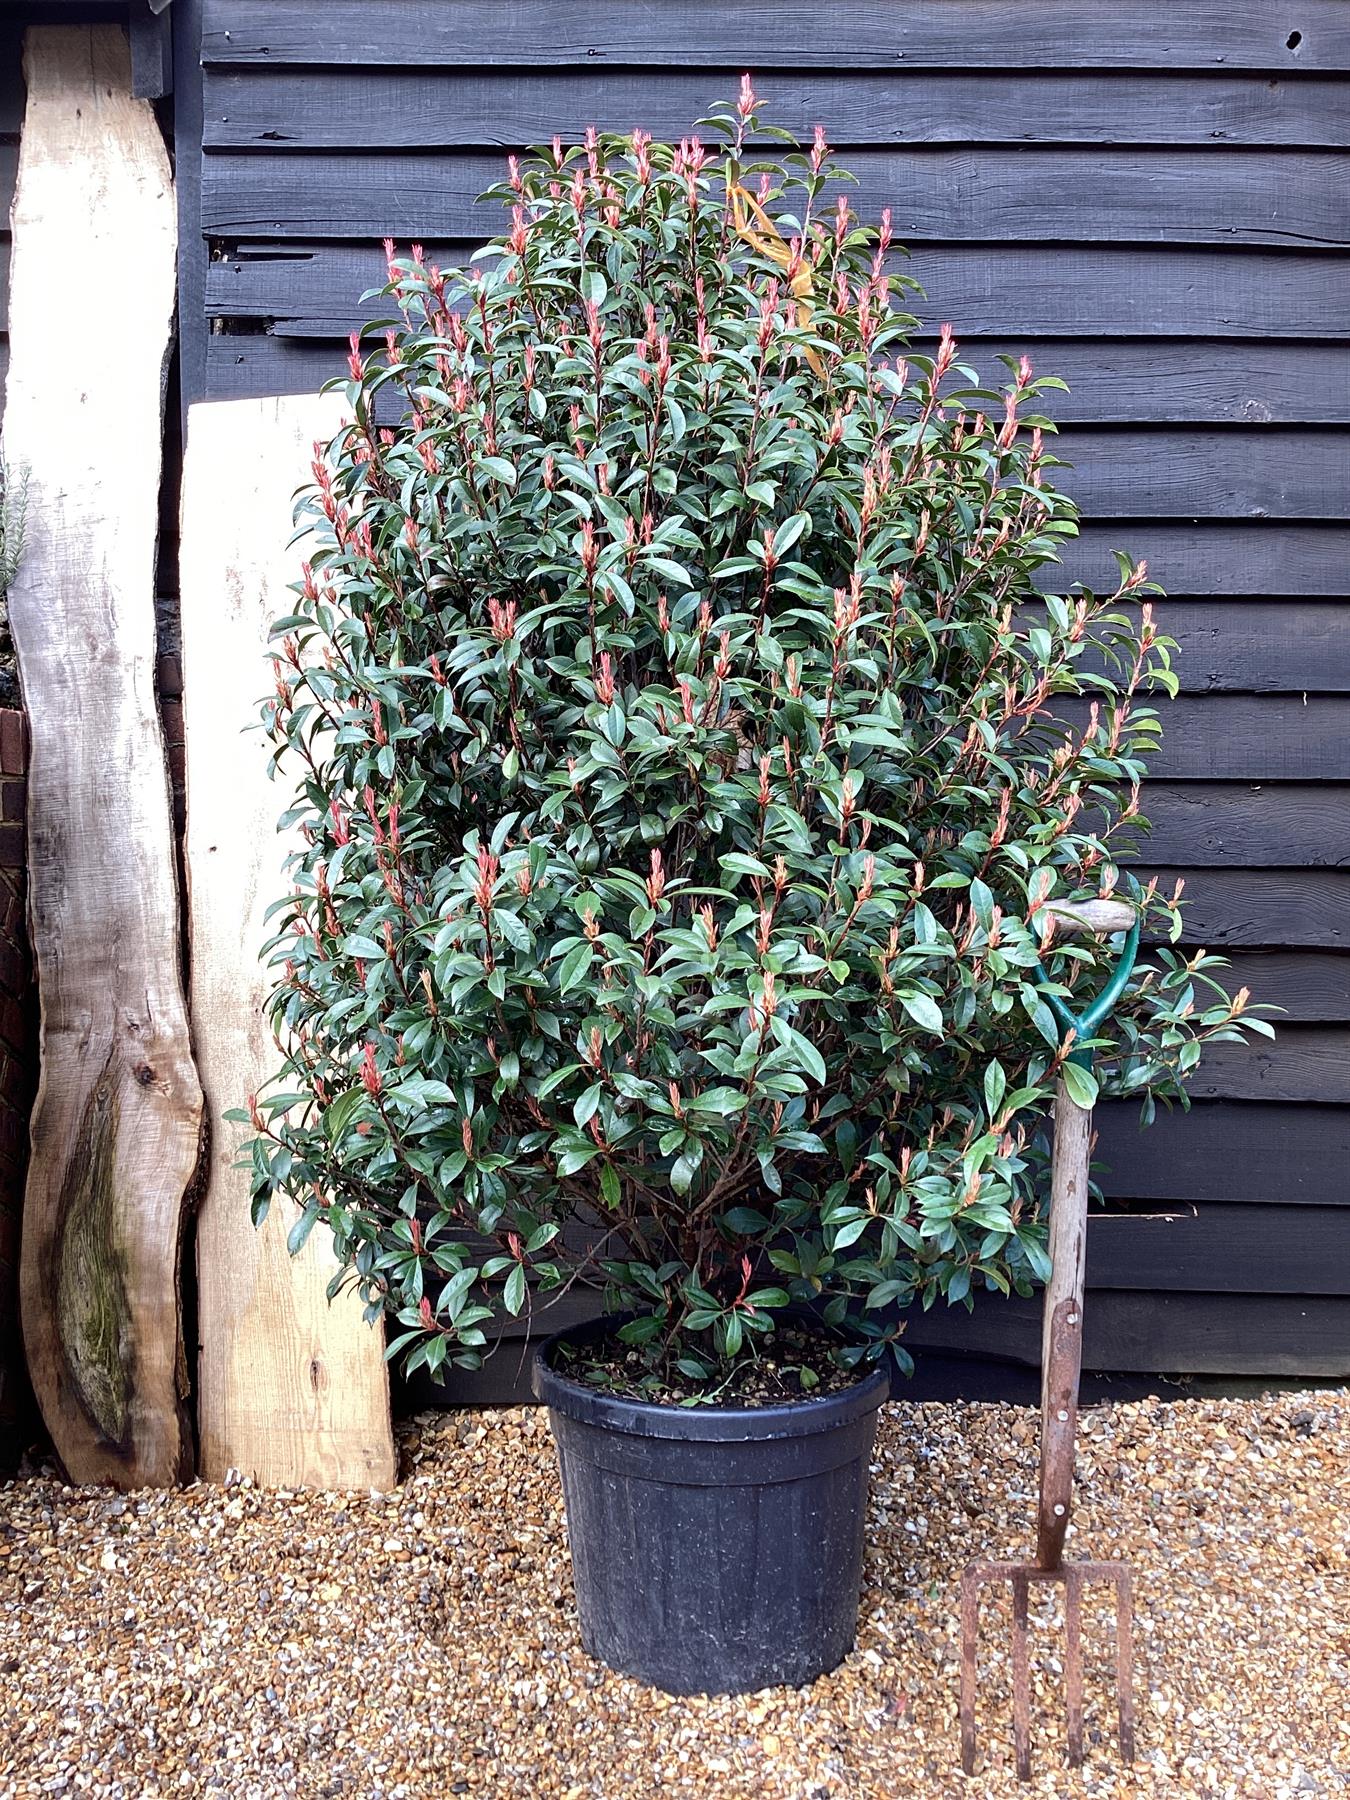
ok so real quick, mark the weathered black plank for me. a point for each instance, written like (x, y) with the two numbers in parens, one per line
(1113, 292)
(312, 289)
(151, 51)
(1226, 908)
(357, 108)
(1247, 825)
(1147, 381)
(1312, 36)
(1139, 381)
(1223, 1250)
(1289, 647)
(1312, 987)
(1236, 737)
(1257, 646)
(193, 252)
(11, 84)
(1184, 1334)
(1205, 474)
(1200, 557)
(1305, 1062)
(1083, 195)
(1239, 1154)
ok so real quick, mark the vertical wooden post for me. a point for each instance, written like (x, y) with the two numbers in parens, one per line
(292, 1390)
(116, 1125)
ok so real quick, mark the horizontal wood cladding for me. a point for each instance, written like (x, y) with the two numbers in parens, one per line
(1178, 1333)
(1253, 1154)
(1274, 647)
(380, 108)
(1203, 36)
(1143, 381)
(990, 194)
(1209, 474)
(1222, 1249)
(1305, 1062)
(1309, 986)
(1247, 825)
(1237, 737)
(1202, 557)
(313, 288)
(1255, 646)
(1112, 291)
(1235, 908)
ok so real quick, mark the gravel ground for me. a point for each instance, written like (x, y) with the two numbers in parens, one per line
(260, 1644)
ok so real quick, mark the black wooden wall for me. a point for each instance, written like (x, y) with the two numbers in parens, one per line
(1153, 201)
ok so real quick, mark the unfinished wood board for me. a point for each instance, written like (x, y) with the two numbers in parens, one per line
(292, 1390)
(115, 1130)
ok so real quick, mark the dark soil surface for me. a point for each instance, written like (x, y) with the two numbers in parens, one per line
(780, 1371)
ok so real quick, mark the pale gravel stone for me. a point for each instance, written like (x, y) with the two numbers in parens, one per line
(252, 1645)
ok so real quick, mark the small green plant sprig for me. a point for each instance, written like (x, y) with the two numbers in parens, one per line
(686, 758)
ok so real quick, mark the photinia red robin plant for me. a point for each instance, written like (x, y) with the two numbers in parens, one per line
(686, 756)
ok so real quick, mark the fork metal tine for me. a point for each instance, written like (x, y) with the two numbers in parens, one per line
(1125, 1660)
(970, 1639)
(1073, 1662)
(1021, 1676)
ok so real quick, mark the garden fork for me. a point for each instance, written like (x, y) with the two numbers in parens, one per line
(1061, 1365)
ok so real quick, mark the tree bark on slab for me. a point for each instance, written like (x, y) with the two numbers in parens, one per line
(116, 1125)
(293, 1390)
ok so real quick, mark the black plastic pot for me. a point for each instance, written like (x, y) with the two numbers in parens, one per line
(715, 1550)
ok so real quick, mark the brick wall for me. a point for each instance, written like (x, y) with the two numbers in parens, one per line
(18, 1064)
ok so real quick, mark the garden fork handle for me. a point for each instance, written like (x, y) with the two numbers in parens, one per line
(1062, 1322)
(1062, 1328)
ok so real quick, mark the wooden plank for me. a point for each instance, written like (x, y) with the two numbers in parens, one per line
(1144, 381)
(151, 51)
(115, 1129)
(11, 85)
(1202, 557)
(291, 1389)
(1216, 474)
(1310, 37)
(312, 289)
(1238, 1154)
(1112, 291)
(1237, 737)
(1258, 646)
(193, 253)
(1305, 1062)
(1183, 1334)
(1223, 1250)
(1312, 987)
(1247, 907)
(356, 108)
(1245, 825)
(1126, 383)
(1262, 647)
(991, 195)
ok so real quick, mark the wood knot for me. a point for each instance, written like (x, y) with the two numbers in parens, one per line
(144, 1074)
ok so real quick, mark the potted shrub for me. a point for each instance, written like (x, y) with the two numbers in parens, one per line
(686, 758)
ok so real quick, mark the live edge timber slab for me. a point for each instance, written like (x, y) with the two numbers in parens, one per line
(116, 1126)
(292, 1389)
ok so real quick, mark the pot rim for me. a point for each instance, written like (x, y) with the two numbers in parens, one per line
(587, 1405)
